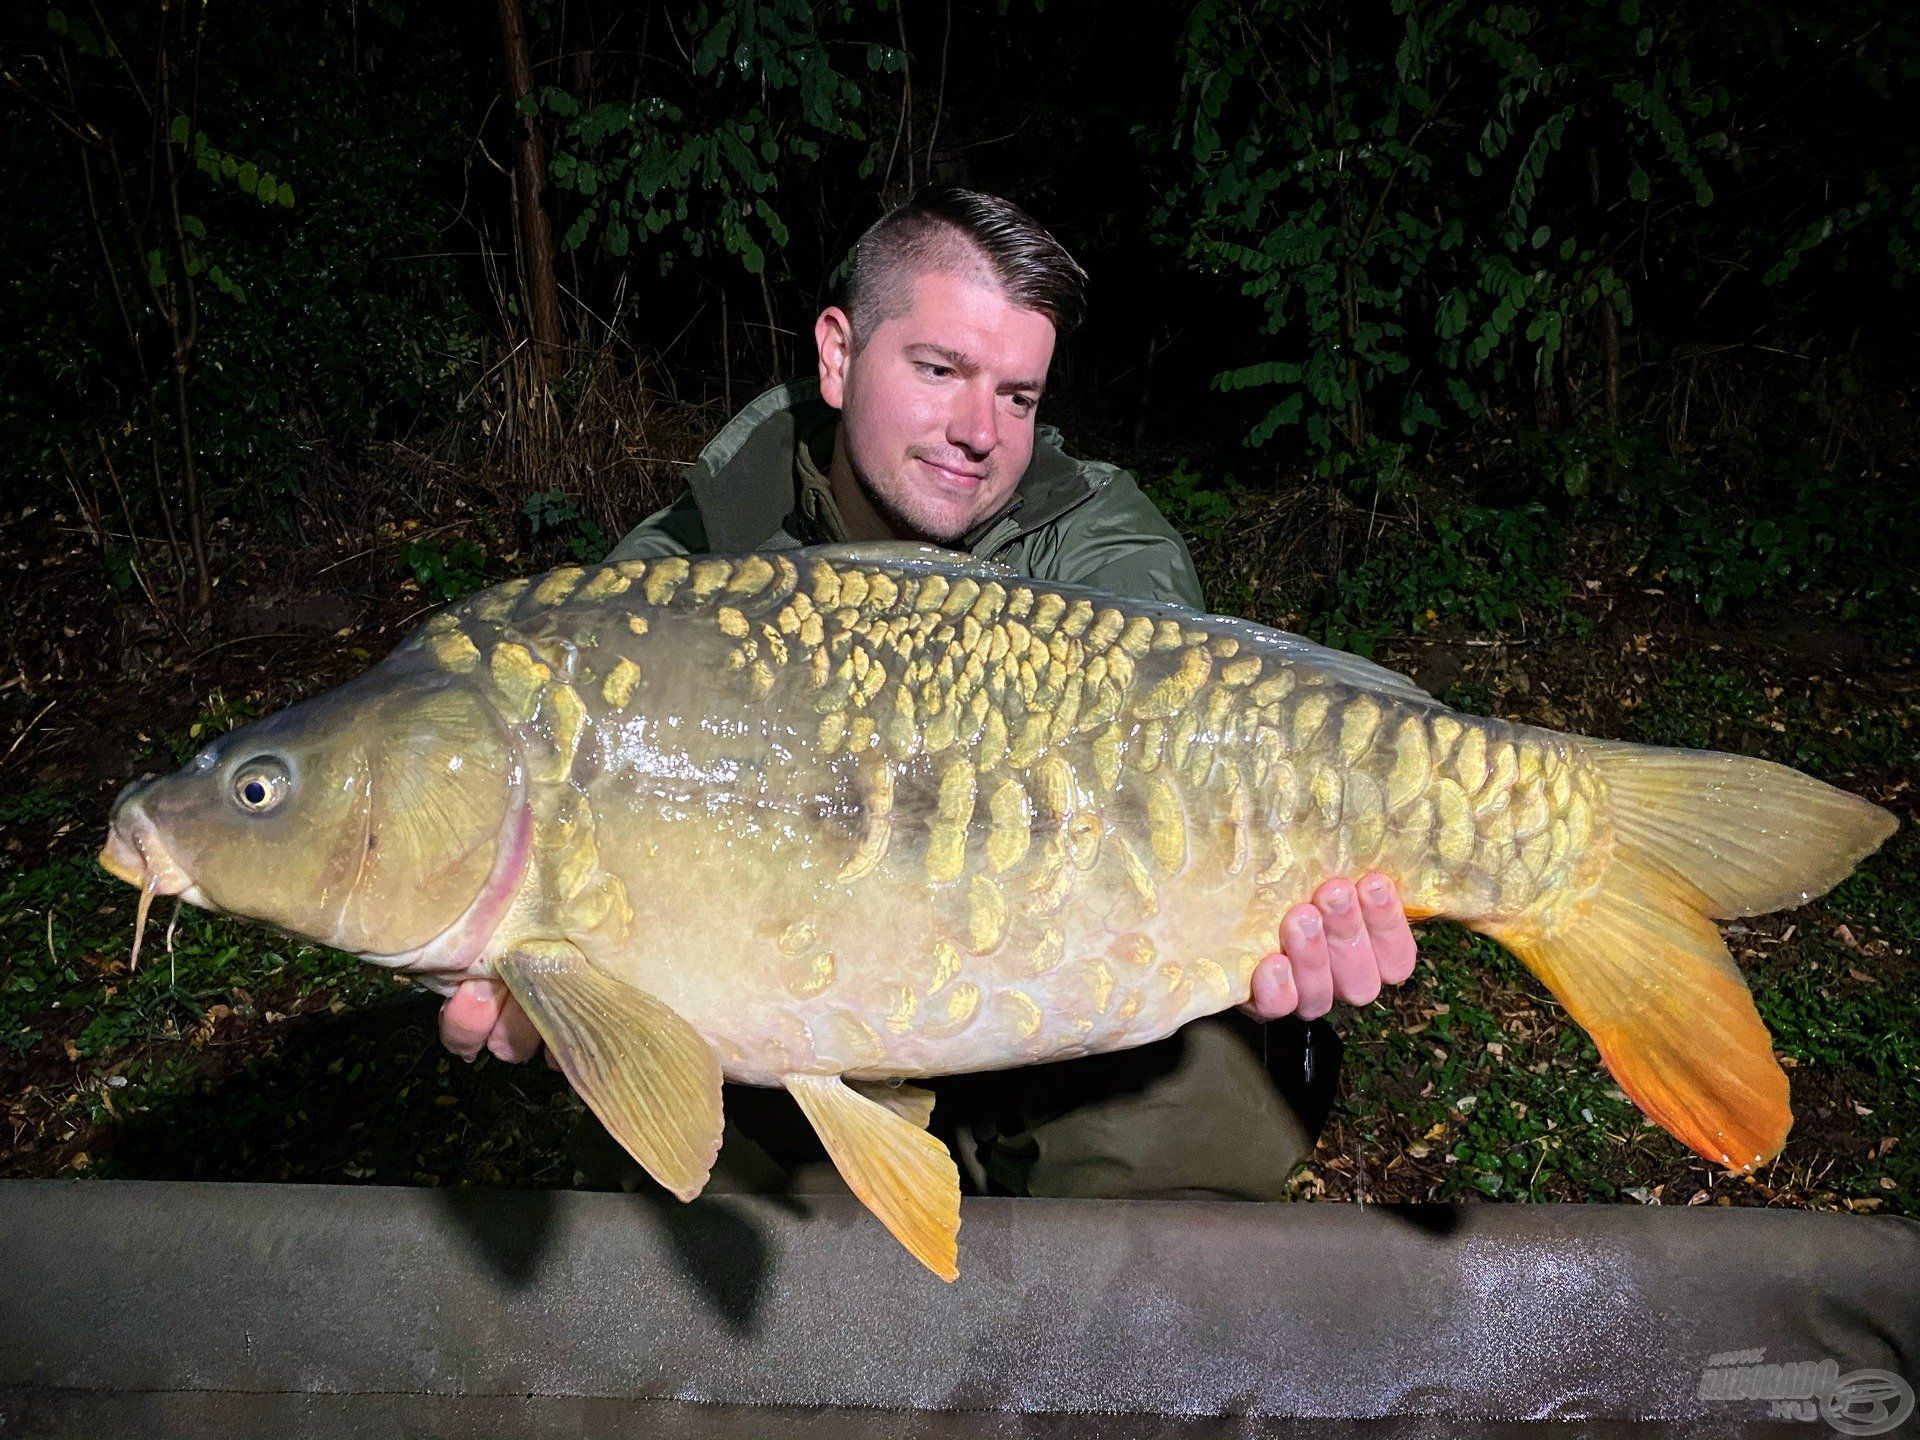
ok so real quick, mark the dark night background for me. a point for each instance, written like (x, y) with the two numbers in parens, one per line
(1559, 354)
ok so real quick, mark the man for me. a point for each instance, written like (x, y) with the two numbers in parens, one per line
(922, 426)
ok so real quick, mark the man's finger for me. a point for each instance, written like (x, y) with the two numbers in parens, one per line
(1356, 974)
(1304, 939)
(513, 1037)
(1393, 944)
(1274, 994)
(469, 1015)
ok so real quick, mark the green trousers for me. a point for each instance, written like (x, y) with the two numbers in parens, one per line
(1223, 1109)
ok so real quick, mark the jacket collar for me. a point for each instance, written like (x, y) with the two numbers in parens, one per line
(741, 511)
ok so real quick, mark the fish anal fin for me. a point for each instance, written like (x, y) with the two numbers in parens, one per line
(640, 1067)
(900, 1172)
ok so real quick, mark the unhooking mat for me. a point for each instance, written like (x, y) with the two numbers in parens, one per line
(139, 1309)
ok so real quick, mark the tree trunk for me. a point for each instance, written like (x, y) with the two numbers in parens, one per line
(539, 284)
(1609, 314)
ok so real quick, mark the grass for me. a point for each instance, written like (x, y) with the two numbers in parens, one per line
(1473, 1081)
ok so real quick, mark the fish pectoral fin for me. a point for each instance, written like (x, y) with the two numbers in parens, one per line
(909, 1102)
(900, 1172)
(648, 1074)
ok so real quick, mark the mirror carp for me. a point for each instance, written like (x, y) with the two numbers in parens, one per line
(837, 819)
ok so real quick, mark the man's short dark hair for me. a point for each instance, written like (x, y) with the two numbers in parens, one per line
(945, 229)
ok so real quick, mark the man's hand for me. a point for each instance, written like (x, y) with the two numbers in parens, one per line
(1343, 945)
(481, 1015)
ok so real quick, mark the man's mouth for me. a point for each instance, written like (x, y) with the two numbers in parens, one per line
(955, 479)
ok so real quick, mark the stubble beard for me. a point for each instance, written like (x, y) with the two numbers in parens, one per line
(903, 523)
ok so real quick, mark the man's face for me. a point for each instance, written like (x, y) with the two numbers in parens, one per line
(937, 408)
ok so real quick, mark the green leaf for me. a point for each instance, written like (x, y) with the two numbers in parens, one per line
(248, 177)
(1267, 372)
(1286, 413)
(1639, 185)
(177, 132)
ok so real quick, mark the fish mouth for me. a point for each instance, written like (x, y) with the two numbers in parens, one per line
(135, 853)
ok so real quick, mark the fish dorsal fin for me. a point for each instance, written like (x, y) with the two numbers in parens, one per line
(900, 1172)
(649, 1076)
(907, 552)
(1341, 666)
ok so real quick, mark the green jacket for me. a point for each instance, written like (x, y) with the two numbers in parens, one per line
(1079, 522)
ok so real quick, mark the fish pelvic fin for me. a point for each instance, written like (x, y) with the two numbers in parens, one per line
(909, 1102)
(901, 1173)
(639, 1066)
(1640, 965)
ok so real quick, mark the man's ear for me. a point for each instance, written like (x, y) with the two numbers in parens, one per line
(833, 335)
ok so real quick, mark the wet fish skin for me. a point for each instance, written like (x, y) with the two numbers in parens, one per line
(1000, 825)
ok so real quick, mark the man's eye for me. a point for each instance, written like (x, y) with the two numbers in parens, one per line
(939, 372)
(1024, 403)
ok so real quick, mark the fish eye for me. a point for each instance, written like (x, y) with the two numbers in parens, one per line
(260, 785)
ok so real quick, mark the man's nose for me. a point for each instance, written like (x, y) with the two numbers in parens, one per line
(974, 425)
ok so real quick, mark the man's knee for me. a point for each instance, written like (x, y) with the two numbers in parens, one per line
(1196, 1115)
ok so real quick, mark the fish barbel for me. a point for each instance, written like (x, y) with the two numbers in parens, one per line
(836, 819)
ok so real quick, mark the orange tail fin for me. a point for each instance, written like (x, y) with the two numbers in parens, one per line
(1640, 965)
